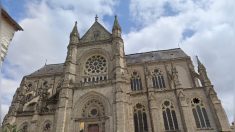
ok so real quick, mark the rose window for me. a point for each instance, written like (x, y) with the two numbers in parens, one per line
(96, 64)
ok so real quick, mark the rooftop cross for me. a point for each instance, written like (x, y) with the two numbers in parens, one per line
(96, 18)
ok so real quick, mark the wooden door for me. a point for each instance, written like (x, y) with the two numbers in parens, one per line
(93, 128)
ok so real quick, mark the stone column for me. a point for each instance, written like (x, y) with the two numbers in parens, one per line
(35, 127)
(64, 110)
(131, 118)
(156, 117)
(121, 119)
(186, 113)
(220, 116)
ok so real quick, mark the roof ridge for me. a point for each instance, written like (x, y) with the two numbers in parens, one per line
(154, 51)
(13, 22)
(54, 64)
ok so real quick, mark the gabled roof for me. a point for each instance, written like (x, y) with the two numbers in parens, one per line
(10, 20)
(55, 69)
(156, 56)
(96, 32)
(51, 69)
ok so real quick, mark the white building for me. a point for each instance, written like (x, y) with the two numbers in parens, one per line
(8, 27)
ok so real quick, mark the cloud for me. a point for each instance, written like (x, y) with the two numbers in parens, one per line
(47, 25)
(204, 28)
(8, 87)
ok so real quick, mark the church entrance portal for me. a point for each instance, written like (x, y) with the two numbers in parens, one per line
(93, 128)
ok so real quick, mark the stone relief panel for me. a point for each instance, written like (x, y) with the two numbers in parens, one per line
(96, 32)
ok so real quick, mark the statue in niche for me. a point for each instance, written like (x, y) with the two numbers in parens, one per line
(174, 78)
(96, 34)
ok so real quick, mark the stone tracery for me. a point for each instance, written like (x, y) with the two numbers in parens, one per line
(95, 69)
(95, 65)
(93, 108)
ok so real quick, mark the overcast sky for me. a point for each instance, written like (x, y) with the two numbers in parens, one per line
(200, 27)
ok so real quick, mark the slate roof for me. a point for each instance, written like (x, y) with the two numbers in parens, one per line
(155, 56)
(131, 59)
(51, 69)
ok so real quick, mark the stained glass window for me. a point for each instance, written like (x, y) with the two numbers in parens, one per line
(169, 116)
(200, 114)
(158, 79)
(140, 118)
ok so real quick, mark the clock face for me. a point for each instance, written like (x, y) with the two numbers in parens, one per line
(95, 65)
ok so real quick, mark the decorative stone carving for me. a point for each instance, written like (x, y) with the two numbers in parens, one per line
(182, 98)
(173, 77)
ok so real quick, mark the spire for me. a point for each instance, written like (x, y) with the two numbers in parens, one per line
(200, 65)
(116, 25)
(116, 31)
(202, 73)
(74, 35)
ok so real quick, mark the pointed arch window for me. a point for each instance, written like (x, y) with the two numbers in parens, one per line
(158, 79)
(140, 118)
(169, 116)
(200, 114)
(136, 83)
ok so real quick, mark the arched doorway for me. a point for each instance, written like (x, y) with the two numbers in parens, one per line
(92, 113)
(93, 116)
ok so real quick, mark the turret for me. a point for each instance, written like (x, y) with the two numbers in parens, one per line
(116, 31)
(74, 39)
(74, 35)
(118, 48)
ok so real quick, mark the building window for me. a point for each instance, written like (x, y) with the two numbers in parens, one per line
(158, 79)
(136, 83)
(169, 116)
(140, 118)
(96, 64)
(95, 69)
(200, 114)
(47, 127)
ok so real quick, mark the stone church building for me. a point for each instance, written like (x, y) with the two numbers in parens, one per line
(101, 89)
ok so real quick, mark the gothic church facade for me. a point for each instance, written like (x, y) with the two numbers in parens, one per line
(101, 89)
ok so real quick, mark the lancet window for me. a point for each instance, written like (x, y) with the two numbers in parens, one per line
(140, 118)
(169, 116)
(136, 83)
(200, 114)
(158, 79)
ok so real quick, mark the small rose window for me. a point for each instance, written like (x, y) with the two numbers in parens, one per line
(96, 64)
